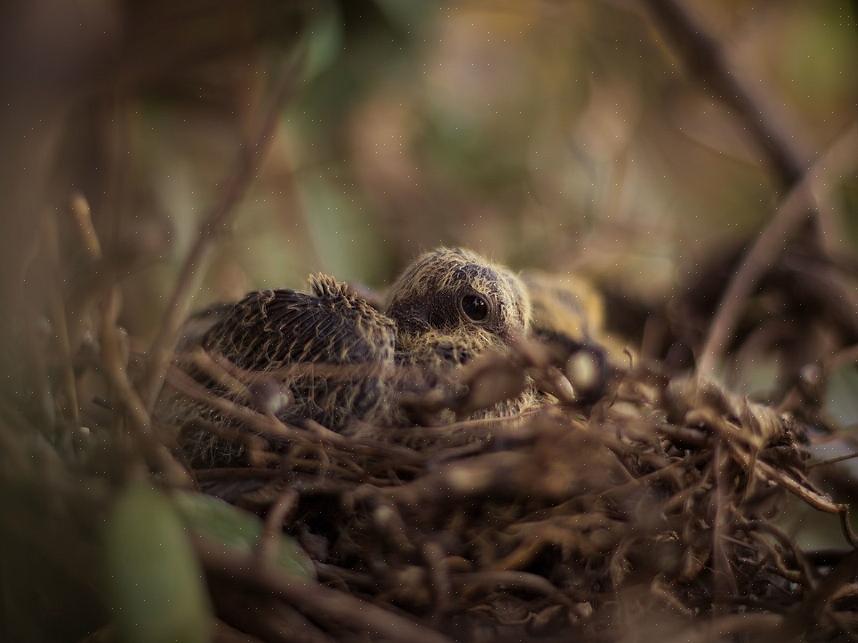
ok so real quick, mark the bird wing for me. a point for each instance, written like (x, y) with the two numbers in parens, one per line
(271, 329)
(327, 353)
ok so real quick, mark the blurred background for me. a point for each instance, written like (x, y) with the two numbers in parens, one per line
(348, 136)
(561, 135)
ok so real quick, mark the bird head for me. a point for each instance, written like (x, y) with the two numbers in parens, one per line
(453, 304)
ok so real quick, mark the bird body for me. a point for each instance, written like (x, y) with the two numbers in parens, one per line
(569, 315)
(337, 359)
(270, 330)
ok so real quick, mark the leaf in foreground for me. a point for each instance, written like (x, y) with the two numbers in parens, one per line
(156, 585)
(237, 529)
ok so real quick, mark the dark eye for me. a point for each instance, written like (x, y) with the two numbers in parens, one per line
(475, 307)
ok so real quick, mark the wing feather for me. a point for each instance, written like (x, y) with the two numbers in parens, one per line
(272, 328)
(269, 330)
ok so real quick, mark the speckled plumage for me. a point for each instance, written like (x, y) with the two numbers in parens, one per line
(271, 329)
(423, 335)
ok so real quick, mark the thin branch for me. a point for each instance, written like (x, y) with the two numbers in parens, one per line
(724, 581)
(285, 506)
(703, 55)
(59, 321)
(493, 579)
(112, 359)
(113, 363)
(772, 240)
(246, 166)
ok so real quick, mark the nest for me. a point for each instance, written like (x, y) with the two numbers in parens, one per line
(645, 512)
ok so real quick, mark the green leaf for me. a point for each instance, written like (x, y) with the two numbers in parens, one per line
(341, 230)
(407, 14)
(841, 399)
(155, 583)
(236, 529)
(324, 39)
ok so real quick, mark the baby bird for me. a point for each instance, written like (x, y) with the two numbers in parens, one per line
(567, 311)
(338, 359)
(568, 316)
(452, 304)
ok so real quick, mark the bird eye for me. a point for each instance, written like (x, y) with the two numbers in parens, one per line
(476, 308)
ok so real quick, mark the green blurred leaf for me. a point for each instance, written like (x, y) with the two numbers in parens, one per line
(815, 65)
(407, 14)
(156, 584)
(758, 377)
(237, 529)
(324, 39)
(841, 399)
(342, 232)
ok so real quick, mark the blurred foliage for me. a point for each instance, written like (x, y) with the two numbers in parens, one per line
(841, 399)
(558, 135)
(156, 588)
(221, 523)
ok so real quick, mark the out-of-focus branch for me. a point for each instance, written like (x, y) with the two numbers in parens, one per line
(59, 321)
(706, 60)
(47, 50)
(113, 363)
(284, 507)
(214, 222)
(113, 358)
(771, 241)
(312, 599)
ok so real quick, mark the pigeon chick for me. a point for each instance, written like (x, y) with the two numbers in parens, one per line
(568, 317)
(451, 305)
(334, 358)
